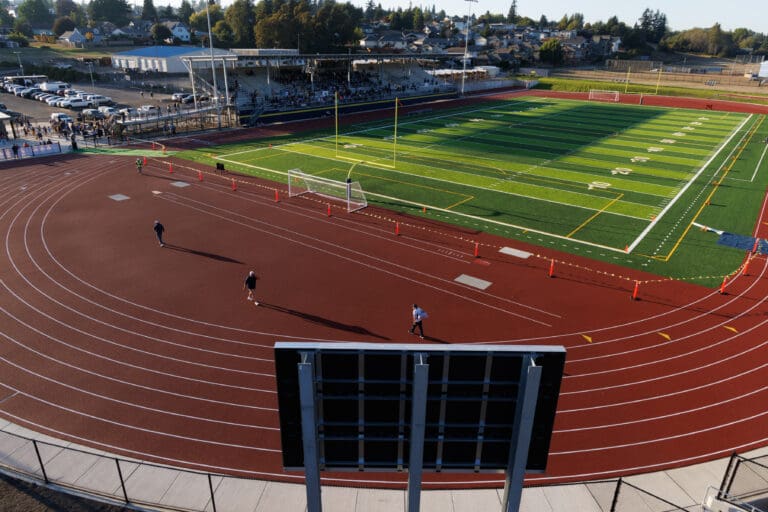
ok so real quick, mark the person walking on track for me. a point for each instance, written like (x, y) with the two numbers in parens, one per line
(159, 230)
(139, 165)
(250, 285)
(418, 316)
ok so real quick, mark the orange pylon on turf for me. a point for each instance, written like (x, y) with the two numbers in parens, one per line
(234, 185)
(170, 167)
(329, 209)
(477, 249)
(423, 209)
(746, 266)
(634, 292)
(277, 196)
(397, 229)
(163, 149)
(552, 268)
(153, 145)
(722, 286)
(145, 161)
(199, 175)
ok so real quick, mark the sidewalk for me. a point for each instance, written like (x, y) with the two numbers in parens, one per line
(164, 486)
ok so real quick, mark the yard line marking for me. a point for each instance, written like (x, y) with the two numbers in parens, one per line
(682, 191)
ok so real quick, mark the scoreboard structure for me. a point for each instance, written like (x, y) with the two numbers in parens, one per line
(416, 408)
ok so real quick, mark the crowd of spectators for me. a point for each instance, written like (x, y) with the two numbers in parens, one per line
(297, 88)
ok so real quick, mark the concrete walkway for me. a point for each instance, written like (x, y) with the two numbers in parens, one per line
(151, 487)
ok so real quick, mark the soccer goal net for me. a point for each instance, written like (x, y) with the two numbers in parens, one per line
(350, 192)
(601, 95)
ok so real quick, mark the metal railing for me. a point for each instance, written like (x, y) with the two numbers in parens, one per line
(118, 480)
(8, 152)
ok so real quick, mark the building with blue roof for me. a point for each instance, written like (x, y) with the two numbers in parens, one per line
(163, 59)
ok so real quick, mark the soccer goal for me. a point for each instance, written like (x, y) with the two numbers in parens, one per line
(603, 95)
(350, 192)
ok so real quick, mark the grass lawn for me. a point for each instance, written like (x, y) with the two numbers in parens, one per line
(616, 182)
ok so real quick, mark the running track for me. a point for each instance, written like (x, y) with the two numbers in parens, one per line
(110, 341)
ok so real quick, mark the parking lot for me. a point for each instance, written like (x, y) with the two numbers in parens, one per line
(39, 112)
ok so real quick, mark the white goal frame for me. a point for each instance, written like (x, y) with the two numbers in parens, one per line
(604, 95)
(351, 192)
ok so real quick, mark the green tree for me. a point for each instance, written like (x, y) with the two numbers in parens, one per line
(240, 18)
(35, 12)
(418, 18)
(114, 11)
(167, 13)
(199, 20)
(22, 28)
(185, 11)
(148, 11)
(575, 21)
(6, 20)
(223, 35)
(61, 25)
(370, 9)
(551, 52)
(160, 33)
(512, 14)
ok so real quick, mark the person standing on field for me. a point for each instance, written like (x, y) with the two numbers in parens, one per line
(250, 285)
(418, 316)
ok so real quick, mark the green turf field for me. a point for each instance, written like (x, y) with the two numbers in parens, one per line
(616, 182)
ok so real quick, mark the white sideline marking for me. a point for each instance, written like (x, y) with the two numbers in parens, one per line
(473, 282)
(180, 184)
(682, 191)
(517, 253)
(119, 197)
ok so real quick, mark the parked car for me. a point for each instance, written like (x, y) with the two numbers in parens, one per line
(92, 113)
(128, 112)
(61, 116)
(179, 96)
(74, 103)
(98, 99)
(108, 111)
(149, 109)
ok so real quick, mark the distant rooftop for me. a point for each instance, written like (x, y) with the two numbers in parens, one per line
(169, 51)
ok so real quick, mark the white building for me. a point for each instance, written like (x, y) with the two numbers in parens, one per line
(163, 59)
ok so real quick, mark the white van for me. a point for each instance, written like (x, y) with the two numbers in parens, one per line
(54, 86)
(108, 111)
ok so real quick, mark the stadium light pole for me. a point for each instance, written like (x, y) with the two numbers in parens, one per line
(21, 67)
(466, 46)
(213, 65)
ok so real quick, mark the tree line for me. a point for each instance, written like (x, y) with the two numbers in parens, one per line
(330, 26)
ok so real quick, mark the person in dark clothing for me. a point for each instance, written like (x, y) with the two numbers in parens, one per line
(139, 165)
(159, 230)
(250, 285)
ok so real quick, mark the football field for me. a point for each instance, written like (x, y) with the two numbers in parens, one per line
(605, 176)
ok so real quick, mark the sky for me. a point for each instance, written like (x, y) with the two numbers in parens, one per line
(681, 14)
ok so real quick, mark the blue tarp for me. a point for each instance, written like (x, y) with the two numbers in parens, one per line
(743, 242)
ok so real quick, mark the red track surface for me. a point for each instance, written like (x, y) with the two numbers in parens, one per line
(109, 340)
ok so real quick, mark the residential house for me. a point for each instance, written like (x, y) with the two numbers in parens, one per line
(179, 30)
(73, 39)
